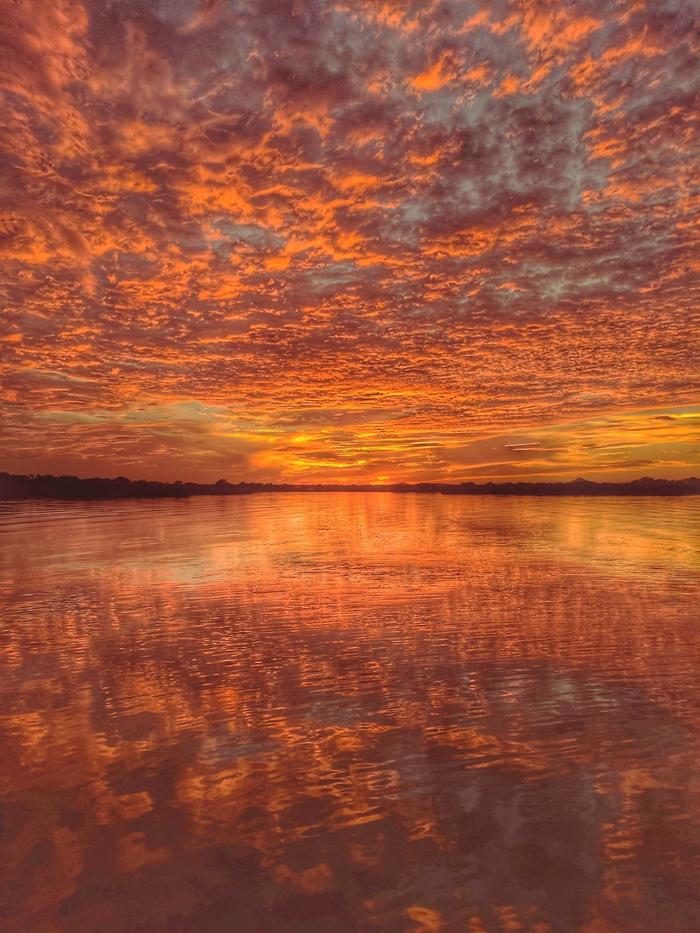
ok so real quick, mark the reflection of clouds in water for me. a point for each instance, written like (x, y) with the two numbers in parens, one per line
(382, 541)
(312, 750)
(623, 537)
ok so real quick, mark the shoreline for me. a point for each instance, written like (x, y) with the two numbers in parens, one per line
(14, 487)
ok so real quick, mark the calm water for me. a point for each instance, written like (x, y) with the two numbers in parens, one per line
(350, 712)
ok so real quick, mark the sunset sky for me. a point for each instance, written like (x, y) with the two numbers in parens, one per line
(350, 241)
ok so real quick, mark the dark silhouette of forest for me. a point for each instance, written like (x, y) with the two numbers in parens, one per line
(47, 486)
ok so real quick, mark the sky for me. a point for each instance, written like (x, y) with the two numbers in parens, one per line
(350, 241)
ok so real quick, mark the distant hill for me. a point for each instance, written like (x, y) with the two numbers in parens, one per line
(646, 486)
(74, 487)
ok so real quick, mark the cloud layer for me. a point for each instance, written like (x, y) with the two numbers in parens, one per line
(327, 240)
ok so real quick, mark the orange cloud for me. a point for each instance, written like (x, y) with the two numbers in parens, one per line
(394, 250)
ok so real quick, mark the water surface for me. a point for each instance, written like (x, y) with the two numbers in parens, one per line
(301, 712)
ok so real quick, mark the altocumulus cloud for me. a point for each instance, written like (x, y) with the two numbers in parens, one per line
(350, 240)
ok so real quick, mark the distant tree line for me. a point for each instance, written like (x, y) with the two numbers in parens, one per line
(46, 486)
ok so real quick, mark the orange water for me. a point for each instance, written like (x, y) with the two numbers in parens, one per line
(350, 712)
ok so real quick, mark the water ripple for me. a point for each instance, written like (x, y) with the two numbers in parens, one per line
(394, 712)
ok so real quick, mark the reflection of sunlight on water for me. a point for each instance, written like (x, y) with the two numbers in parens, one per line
(618, 535)
(350, 711)
(382, 539)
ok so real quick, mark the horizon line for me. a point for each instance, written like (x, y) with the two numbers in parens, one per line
(69, 486)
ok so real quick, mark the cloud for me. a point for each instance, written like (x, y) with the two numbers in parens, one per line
(269, 207)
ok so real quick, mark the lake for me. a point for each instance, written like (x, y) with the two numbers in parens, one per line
(350, 711)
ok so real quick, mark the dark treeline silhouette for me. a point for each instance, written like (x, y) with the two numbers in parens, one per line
(74, 487)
